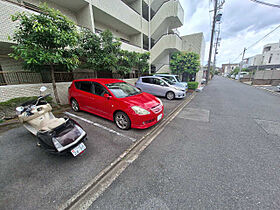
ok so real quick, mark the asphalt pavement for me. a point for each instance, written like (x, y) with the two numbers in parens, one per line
(30, 178)
(221, 152)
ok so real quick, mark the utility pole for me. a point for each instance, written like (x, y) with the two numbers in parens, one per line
(215, 50)
(211, 42)
(241, 64)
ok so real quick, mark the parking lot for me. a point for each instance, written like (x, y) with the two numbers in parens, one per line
(31, 178)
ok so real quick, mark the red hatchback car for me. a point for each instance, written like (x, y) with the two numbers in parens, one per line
(116, 100)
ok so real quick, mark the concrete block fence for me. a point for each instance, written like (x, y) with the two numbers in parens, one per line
(8, 92)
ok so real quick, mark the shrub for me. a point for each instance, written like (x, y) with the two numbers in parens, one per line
(192, 85)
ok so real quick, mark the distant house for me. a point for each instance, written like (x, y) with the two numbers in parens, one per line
(228, 68)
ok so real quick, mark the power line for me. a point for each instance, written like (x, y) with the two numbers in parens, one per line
(258, 41)
(264, 37)
(266, 3)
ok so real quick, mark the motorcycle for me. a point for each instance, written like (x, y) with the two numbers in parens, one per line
(56, 135)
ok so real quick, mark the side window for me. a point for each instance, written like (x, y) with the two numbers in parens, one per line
(78, 85)
(99, 89)
(147, 80)
(84, 86)
(159, 82)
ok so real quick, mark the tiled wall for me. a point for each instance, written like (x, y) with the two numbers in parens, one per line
(13, 91)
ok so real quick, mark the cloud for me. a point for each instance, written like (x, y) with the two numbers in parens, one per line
(243, 23)
(196, 17)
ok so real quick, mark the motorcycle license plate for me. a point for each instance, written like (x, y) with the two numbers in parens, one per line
(78, 149)
(159, 117)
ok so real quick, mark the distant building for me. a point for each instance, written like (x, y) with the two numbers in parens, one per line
(270, 58)
(271, 54)
(195, 43)
(228, 68)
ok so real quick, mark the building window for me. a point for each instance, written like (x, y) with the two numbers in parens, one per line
(269, 61)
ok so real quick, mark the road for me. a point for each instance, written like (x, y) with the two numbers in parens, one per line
(221, 152)
(33, 179)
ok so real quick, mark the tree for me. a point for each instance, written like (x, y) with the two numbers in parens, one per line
(126, 61)
(142, 63)
(103, 52)
(45, 39)
(185, 62)
(99, 51)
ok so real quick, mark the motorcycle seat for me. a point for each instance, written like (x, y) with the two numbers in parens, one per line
(52, 123)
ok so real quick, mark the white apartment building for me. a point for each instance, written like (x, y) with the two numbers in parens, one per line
(269, 56)
(126, 19)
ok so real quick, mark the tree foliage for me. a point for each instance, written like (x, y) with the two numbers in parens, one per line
(182, 62)
(103, 52)
(142, 63)
(99, 51)
(45, 39)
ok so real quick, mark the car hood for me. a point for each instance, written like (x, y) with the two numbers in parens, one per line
(181, 87)
(144, 100)
(182, 84)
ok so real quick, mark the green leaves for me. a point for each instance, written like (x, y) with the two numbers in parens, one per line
(45, 38)
(184, 62)
(103, 52)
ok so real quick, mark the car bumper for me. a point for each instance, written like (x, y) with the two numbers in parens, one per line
(180, 94)
(146, 121)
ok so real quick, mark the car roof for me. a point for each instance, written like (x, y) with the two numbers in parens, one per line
(166, 75)
(151, 77)
(103, 81)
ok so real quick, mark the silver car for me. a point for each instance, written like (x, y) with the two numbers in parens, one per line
(174, 78)
(160, 87)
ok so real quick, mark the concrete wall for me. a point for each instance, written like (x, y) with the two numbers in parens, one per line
(10, 64)
(170, 41)
(13, 91)
(267, 77)
(84, 17)
(120, 11)
(267, 74)
(169, 16)
(8, 92)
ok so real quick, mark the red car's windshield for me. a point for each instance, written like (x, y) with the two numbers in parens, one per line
(122, 89)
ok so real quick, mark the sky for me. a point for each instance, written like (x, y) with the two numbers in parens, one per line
(243, 23)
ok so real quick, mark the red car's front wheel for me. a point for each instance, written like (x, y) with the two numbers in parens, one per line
(122, 120)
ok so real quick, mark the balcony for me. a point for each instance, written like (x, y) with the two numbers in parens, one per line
(117, 14)
(166, 45)
(131, 47)
(170, 15)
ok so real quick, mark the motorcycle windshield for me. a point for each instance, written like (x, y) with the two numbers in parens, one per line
(68, 134)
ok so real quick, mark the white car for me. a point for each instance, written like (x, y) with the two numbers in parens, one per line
(278, 88)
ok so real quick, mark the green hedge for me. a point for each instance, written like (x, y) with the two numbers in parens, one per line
(193, 85)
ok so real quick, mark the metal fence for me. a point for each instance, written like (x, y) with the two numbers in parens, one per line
(27, 77)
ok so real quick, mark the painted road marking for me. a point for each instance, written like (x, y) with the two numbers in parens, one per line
(100, 126)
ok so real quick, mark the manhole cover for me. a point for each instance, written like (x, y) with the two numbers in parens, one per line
(201, 115)
(270, 127)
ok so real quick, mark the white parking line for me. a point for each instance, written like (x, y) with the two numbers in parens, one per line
(100, 126)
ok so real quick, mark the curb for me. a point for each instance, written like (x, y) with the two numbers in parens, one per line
(91, 191)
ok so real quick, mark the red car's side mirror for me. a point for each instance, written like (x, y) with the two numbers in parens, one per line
(106, 95)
